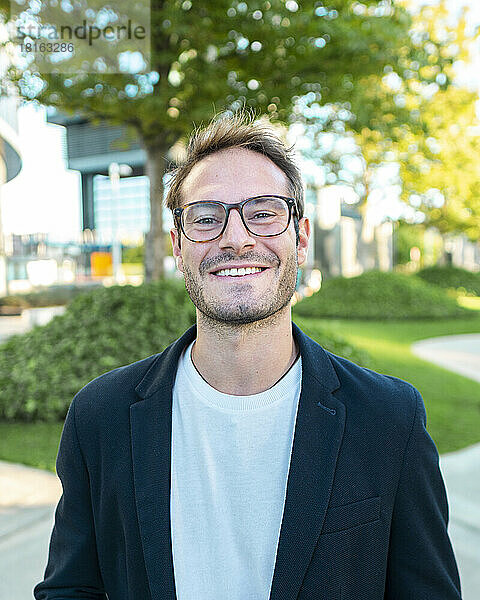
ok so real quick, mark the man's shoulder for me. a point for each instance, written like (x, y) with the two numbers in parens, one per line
(374, 394)
(350, 372)
(109, 396)
(116, 387)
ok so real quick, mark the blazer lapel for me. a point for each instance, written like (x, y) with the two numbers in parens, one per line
(318, 435)
(151, 431)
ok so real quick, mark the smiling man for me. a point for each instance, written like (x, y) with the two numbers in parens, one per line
(245, 462)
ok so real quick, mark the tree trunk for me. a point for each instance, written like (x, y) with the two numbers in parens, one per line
(154, 241)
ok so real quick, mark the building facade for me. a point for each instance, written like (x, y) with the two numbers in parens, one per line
(347, 243)
(10, 166)
(91, 149)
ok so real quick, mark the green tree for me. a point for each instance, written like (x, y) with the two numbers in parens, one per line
(226, 54)
(407, 236)
(445, 186)
(431, 130)
(383, 120)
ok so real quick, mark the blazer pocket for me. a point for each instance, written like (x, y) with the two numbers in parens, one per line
(339, 518)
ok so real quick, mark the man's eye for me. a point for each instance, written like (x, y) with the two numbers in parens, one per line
(262, 215)
(205, 221)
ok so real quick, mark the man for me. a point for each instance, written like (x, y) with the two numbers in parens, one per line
(245, 462)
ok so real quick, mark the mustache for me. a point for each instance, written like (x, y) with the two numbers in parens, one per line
(226, 258)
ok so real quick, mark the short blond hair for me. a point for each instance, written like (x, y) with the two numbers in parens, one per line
(239, 130)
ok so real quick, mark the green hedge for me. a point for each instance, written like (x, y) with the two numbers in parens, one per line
(452, 277)
(42, 370)
(379, 295)
(334, 343)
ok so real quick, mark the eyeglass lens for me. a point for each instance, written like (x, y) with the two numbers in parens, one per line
(264, 216)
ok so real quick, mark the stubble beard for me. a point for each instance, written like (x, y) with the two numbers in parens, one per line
(238, 313)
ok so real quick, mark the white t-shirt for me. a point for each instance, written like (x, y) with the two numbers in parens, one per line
(230, 460)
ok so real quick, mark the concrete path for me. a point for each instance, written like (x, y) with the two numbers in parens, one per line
(28, 496)
(458, 353)
(29, 318)
(461, 470)
(11, 326)
(27, 502)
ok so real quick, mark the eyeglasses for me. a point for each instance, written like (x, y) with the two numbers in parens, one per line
(264, 216)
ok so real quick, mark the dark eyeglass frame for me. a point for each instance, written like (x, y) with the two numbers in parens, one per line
(177, 215)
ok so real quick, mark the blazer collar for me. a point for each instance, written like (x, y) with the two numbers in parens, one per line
(318, 435)
(162, 372)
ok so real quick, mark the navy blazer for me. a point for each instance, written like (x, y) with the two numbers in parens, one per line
(365, 514)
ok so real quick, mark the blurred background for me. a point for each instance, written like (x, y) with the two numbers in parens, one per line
(381, 102)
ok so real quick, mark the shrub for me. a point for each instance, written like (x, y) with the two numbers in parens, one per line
(379, 295)
(452, 277)
(333, 342)
(42, 370)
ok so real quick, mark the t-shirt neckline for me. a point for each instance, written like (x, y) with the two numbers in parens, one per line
(216, 399)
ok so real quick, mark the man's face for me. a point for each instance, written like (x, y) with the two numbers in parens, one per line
(230, 176)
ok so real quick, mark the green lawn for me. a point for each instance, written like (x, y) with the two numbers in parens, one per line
(472, 302)
(33, 444)
(452, 401)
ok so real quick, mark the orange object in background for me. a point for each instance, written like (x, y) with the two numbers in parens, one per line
(101, 264)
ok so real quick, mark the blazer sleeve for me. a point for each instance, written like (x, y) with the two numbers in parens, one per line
(421, 563)
(72, 570)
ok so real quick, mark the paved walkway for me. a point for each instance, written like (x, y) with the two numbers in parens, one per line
(28, 497)
(458, 353)
(29, 318)
(461, 470)
(27, 501)
(12, 325)
(461, 473)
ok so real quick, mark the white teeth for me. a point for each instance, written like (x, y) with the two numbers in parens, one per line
(238, 272)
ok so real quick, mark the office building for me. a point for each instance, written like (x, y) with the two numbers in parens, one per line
(10, 165)
(91, 149)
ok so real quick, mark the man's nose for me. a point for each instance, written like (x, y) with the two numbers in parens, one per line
(236, 235)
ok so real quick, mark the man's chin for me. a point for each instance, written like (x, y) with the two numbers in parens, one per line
(239, 315)
(241, 306)
(235, 317)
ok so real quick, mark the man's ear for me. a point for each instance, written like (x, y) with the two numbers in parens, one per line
(177, 252)
(303, 237)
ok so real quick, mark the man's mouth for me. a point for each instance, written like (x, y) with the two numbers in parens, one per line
(239, 272)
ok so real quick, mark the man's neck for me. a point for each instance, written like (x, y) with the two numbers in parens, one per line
(244, 359)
